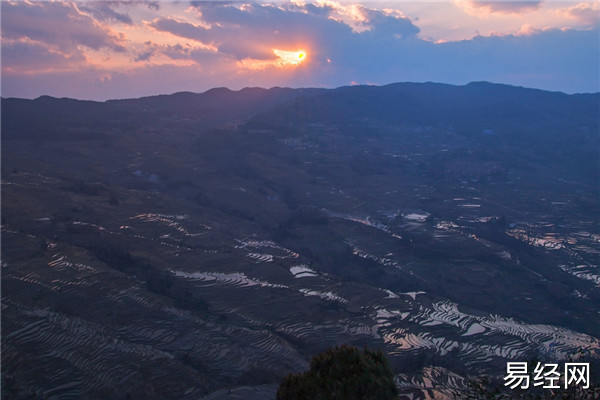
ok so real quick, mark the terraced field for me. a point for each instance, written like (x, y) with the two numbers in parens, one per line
(194, 262)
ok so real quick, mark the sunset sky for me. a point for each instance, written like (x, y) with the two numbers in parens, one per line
(116, 49)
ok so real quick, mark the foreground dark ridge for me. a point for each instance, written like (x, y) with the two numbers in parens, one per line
(199, 244)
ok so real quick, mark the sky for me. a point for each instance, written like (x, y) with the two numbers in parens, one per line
(101, 50)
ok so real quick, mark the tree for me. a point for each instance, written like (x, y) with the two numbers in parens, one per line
(342, 373)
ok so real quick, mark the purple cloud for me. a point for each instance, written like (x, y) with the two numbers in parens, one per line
(59, 25)
(103, 12)
(145, 55)
(254, 30)
(176, 52)
(27, 57)
(182, 29)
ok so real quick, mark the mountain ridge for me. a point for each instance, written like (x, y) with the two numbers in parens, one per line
(228, 90)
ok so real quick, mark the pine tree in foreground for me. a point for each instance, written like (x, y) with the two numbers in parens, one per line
(342, 373)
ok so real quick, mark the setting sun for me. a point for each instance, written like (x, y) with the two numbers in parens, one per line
(290, 57)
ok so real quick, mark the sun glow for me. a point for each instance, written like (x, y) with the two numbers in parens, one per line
(290, 57)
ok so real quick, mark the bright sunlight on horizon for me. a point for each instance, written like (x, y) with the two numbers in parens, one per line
(290, 57)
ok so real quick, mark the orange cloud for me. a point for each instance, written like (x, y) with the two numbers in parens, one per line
(353, 15)
(480, 8)
(588, 13)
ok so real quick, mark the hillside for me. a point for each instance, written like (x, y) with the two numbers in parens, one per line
(193, 246)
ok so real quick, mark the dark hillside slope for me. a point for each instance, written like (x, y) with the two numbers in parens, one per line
(216, 105)
(474, 107)
(551, 127)
(37, 118)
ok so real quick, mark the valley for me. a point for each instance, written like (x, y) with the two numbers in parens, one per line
(203, 246)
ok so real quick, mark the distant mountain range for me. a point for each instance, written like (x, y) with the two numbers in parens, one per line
(193, 246)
